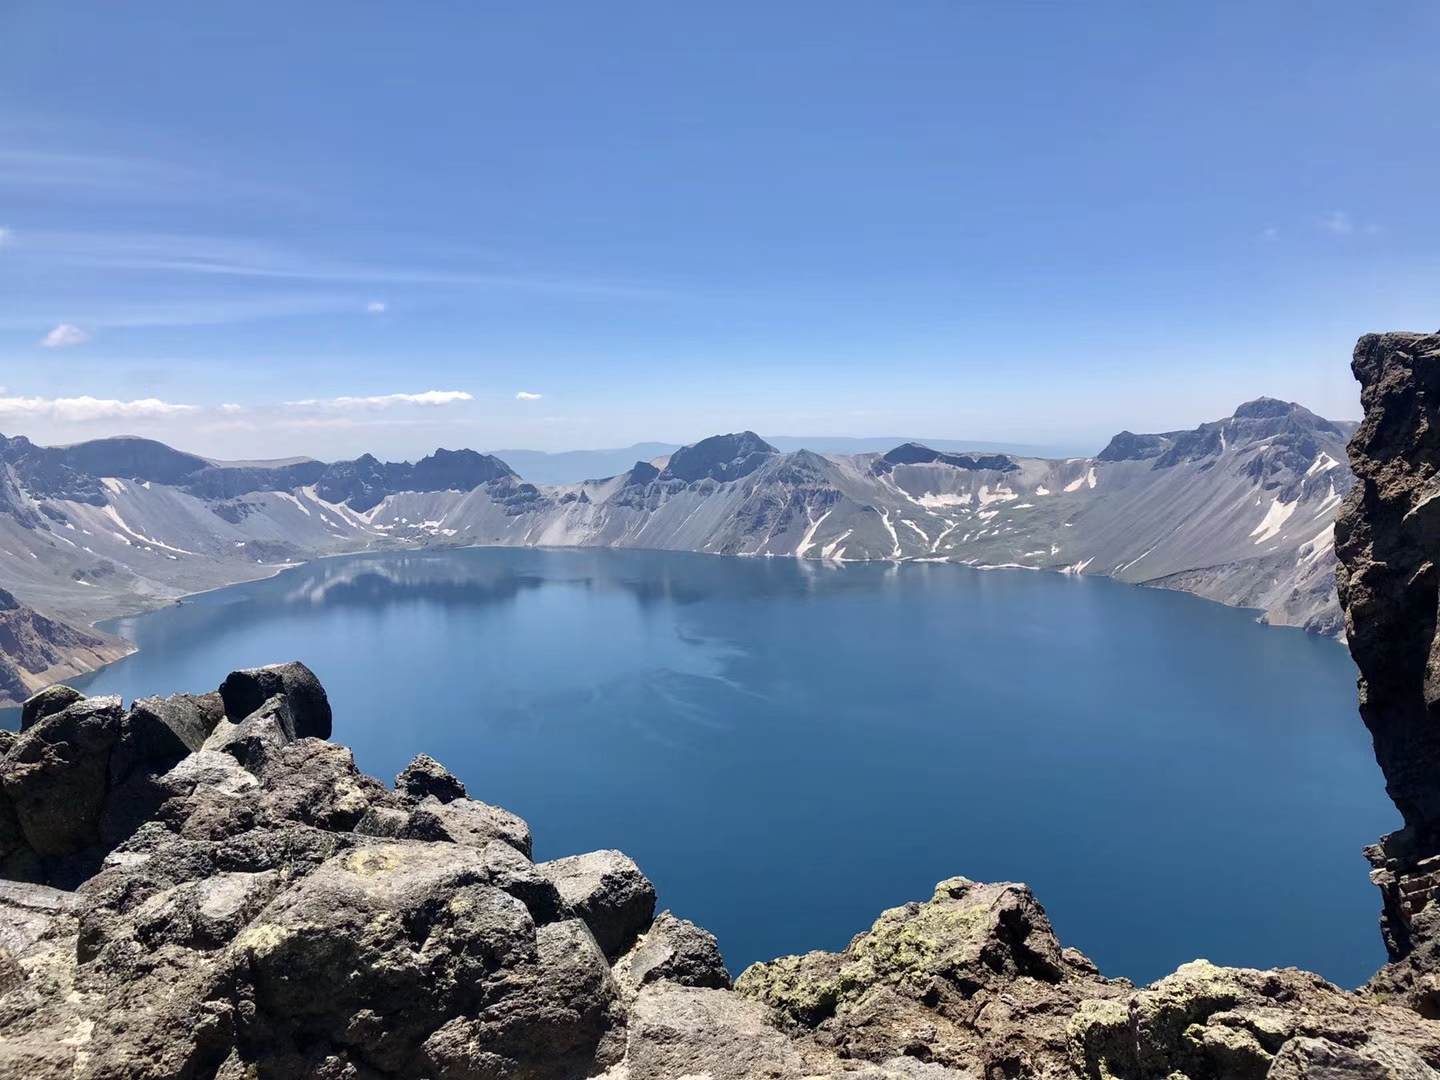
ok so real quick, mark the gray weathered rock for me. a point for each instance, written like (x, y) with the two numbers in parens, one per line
(973, 979)
(26, 911)
(468, 821)
(1321, 1059)
(258, 737)
(673, 950)
(608, 891)
(1207, 1021)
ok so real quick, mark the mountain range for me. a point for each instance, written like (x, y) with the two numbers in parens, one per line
(1240, 510)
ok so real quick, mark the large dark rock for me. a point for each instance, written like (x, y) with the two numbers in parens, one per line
(309, 708)
(57, 774)
(1387, 538)
(159, 728)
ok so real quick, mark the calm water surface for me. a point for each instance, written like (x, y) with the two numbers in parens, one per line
(787, 749)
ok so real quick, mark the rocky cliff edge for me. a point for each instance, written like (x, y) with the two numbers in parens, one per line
(1387, 538)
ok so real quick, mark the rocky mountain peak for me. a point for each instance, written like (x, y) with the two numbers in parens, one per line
(460, 470)
(1128, 446)
(1264, 408)
(131, 457)
(913, 453)
(720, 457)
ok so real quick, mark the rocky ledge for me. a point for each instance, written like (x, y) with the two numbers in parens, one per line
(205, 887)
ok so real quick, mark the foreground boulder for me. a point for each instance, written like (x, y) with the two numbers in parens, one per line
(1214, 1021)
(974, 978)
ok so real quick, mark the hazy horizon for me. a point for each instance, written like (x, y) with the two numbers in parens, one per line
(327, 230)
(645, 448)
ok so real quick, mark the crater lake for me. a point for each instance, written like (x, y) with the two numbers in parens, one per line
(787, 747)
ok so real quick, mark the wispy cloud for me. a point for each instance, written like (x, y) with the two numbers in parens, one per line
(115, 312)
(1339, 223)
(64, 336)
(376, 307)
(237, 257)
(1270, 234)
(383, 401)
(6, 235)
(526, 396)
(119, 177)
(84, 409)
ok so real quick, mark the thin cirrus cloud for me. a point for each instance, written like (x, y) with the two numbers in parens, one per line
(227, 256)
(524, 395)
(85, 409)
(129, 179)
(63, 336)
(1339, 223)
(383, 401)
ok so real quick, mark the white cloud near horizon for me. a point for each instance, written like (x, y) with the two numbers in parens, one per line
(383, 401)
(64, 336)
(524, 395)
(85, 408)
(377, 307)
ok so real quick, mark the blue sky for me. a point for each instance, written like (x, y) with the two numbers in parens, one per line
(261, 229)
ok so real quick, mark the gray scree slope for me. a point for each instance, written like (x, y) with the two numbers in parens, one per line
(1240, 511)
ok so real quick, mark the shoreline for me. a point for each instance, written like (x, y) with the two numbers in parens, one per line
(277, 569)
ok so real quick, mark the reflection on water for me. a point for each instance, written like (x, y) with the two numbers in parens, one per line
(789, 748)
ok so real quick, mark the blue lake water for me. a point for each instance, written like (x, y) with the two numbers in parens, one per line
(787, 749)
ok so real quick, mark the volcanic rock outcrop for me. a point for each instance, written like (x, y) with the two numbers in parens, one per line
(1388, 541)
